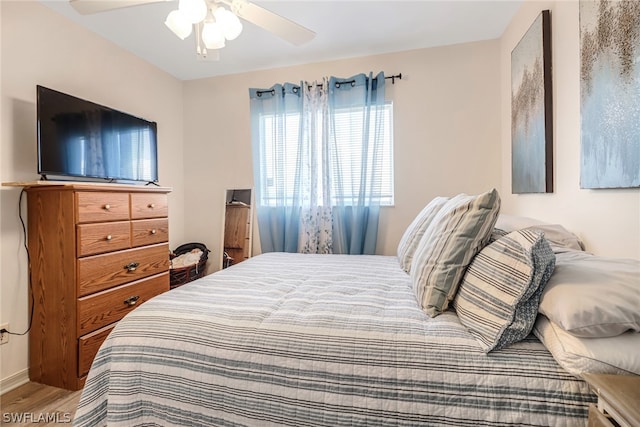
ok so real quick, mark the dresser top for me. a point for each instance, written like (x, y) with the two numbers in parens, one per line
(88, 186)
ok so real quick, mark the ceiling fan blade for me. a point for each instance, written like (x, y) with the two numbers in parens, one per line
(88, 7)
(282, 27)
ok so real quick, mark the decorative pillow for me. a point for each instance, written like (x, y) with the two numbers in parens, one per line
(593, 296)
(414, 232)
(496, 234)
(613, 355)
(499, 295)
(457, 233)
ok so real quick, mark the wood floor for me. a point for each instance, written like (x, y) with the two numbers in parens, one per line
(36, 404)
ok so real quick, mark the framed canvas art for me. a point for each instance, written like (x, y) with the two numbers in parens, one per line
(532, 110)
(609, 94)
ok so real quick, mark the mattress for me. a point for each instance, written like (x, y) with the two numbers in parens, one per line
(316, 340)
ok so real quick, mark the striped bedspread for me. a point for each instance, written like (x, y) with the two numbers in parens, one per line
(316, 340)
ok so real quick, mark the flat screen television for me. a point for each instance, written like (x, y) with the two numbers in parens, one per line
(82, 139)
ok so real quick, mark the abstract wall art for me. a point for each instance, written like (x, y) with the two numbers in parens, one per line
(532, 110)
(609, 93)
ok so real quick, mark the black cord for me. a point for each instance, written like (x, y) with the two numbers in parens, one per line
(26, 248)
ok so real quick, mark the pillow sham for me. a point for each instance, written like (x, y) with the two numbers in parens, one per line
(511, 223)
(499, 295)
(457, 233)
(593, 296)
(613, 355)
(558, 237)
(414, 232)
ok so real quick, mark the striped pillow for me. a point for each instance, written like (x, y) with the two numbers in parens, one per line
(500, 293)
(457, 233)
(414, 232)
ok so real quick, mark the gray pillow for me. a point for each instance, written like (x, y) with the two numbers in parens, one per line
(499, 295)
(414, 232)
(593, 296)
(457, 233)
(558, 237)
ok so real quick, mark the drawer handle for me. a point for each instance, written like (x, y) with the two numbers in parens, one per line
(153, 231)
(131, 266)
(109, 237)
(132, 300)
(107, 207)
(151, 205)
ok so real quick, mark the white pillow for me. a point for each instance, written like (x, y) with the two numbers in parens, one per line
(614, 355)
(593, 296)
(414, 232)
(457, 233)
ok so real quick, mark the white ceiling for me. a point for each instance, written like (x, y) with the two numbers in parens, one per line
(344, 29)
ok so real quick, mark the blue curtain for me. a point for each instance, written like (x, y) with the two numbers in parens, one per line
(357, 207)
(317, 163)
(275, 130)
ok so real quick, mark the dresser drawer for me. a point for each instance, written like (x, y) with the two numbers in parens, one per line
(103, 237)
(99, 272)
(101, 206)
(149, 231)
(106, 307)
(149, 205)
(88, 346)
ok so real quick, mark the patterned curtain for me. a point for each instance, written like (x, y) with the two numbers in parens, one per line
(316, 154)
(316, 222)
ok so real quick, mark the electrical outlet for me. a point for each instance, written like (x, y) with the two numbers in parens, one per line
(4, 336)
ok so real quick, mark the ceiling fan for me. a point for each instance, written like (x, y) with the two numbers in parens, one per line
(212, 21)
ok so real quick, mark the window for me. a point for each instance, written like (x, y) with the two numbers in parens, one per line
(279, 142)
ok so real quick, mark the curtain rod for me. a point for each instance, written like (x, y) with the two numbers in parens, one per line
(393, 81)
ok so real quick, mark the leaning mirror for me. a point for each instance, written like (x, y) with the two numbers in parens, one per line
(237, 227)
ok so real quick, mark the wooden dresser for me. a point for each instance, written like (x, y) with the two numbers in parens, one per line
(97, 252)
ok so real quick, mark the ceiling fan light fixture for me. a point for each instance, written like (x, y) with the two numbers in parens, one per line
(177, 23)
(212, 35)
(229, 23)
(237, 6)
(193, 10)
(192, 15)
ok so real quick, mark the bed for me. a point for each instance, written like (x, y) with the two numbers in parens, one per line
(480, 320)
(317, 340)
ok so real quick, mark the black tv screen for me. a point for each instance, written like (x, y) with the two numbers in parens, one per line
(79, 138)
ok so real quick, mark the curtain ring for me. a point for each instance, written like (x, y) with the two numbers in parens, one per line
(338, 85)
(273, 92)
(295, 89)
(353, 83)
(259, 94)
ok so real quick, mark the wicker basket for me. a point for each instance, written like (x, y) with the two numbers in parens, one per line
(182, 275)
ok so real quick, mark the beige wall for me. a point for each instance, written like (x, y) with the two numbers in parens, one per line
(607, 220)
(41, 47)
(446, 132)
